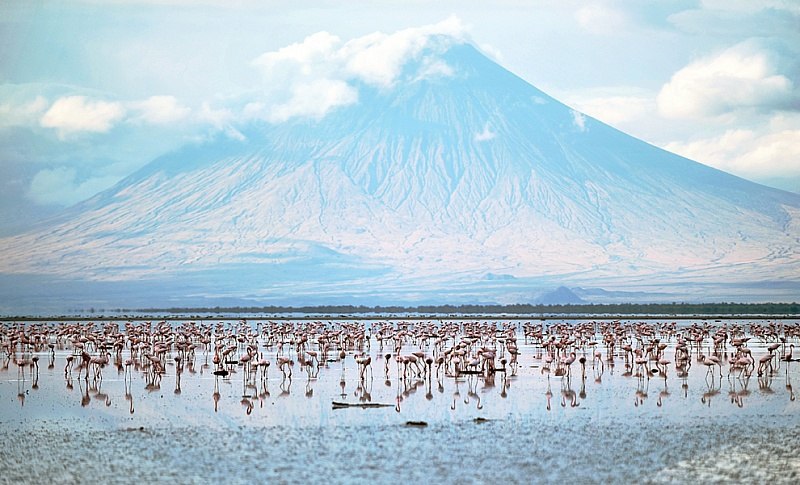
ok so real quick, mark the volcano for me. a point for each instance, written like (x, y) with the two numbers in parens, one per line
(467, 185)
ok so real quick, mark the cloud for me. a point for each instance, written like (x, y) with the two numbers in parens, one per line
(75, 114)
(160, 110)
(221, 119)
(601, 19)
(315, 53)
(434, 68)
(312, 77)
(738, 19)
(771, 150)
(579, 120)
(22, 114)
(486, 135)
(314, 99)
(61, 186)
(379, 58)
(745, 76)
(492, 53)
(616, 106)
(751, 6)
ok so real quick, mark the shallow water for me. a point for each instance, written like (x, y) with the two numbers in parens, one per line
(533, 427)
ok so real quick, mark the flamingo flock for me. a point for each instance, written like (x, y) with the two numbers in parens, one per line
(414, 353)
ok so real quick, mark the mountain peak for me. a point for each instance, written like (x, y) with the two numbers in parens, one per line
(560, 296)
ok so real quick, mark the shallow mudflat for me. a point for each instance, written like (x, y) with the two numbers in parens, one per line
(186, 424)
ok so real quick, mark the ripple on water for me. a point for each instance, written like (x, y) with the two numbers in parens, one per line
(513, 450)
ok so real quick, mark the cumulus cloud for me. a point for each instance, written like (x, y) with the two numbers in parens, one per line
(379, 58)
(62, 186)
(315, 53)
(314, 99)
(772, 150)
(75, 114)
(221, 119)
(745, 76)
(22, 114)
(160, 110)
(309, 78)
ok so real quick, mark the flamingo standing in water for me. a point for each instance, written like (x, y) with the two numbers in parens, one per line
(68, 367)
(787, 357)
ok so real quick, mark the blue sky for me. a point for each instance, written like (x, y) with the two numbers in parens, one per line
(92, 90)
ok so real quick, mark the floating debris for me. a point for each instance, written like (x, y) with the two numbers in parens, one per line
(419, 424)
(363, 405)
(470, 372)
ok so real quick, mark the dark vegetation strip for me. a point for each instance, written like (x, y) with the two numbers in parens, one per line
(517, 311)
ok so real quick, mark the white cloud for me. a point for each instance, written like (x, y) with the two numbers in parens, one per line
(492, 52)
(22, 114)
(221, 119)
(616, 106)
(61, 186)
(75, 114)
(302, 58)
(744, 76)
(160, 110)
(218, 117)
(486, 135)
(379, 58)
(434, 68)
(311, 77)
(314, 99)
(579, 120)
(768, 151)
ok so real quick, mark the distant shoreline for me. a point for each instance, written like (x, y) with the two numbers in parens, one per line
(289, 318)
(628, 311)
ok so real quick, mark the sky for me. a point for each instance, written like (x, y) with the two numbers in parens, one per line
(92, 90)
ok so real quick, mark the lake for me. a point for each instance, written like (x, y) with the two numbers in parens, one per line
(522, 423)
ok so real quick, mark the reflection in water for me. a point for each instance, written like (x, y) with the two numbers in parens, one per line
(663, 394)
(128, 395)
(582, 393)
(568, 396)
(473, 355)
(548, 394)
(711, 392)
(286, 386)
(247, 404)
(765, 384)
(642, 386)
(21, 392)
(85, 399)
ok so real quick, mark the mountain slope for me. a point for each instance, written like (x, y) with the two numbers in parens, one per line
(420, 191)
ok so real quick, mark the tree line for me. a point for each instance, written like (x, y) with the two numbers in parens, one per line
(725, 308)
